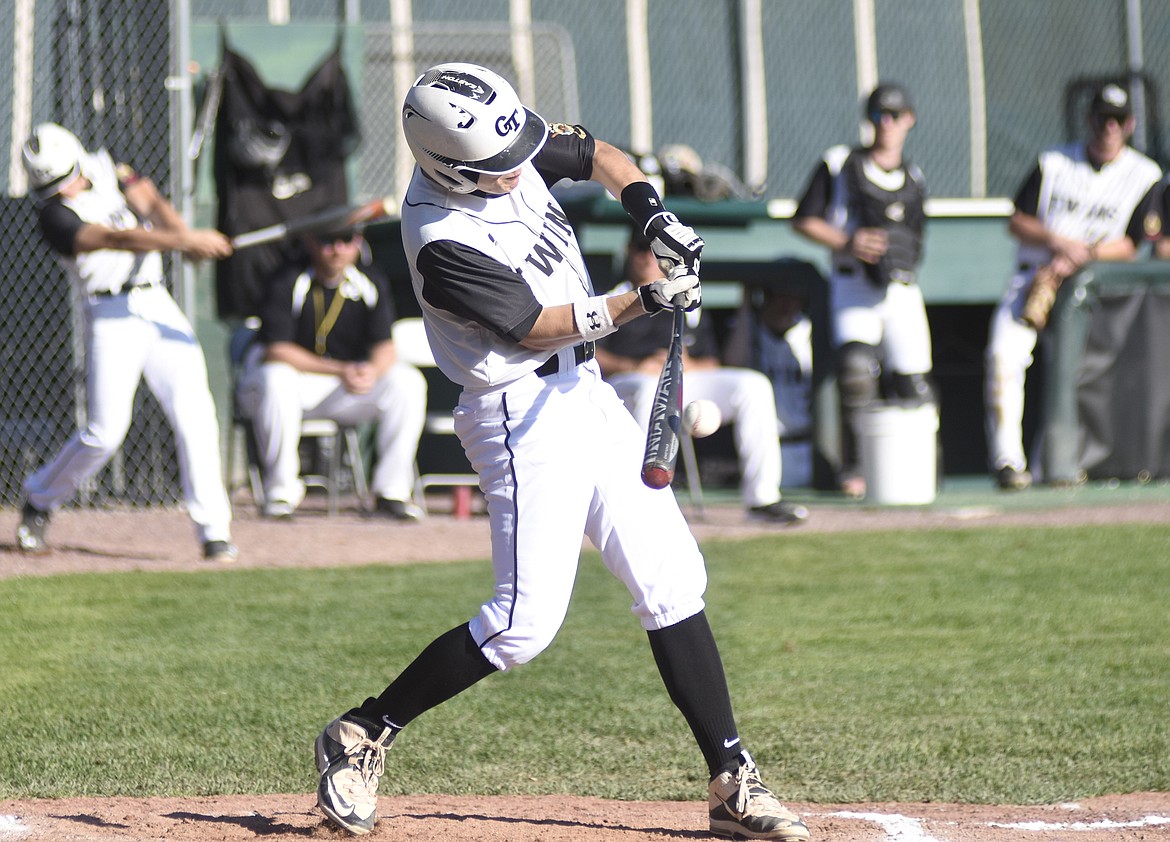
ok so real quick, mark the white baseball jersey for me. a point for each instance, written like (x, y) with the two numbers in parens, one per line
(528, 233)
(106, 270)
(557, 454)
(1076, 199)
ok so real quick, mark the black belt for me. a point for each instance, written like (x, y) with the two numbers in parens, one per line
(111, 293)
(582, 353)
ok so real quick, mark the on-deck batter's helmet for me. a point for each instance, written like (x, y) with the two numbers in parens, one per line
(52, 157)
(461, 120)
(887, 96)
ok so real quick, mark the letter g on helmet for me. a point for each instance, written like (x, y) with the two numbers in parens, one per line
(461, 120)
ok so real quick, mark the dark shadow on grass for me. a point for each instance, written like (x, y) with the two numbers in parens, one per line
(672, 833)
(257, 824)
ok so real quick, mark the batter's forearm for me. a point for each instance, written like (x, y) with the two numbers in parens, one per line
(556, 327)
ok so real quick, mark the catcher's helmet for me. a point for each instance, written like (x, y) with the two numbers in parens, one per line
(461, 120)
(51, 156)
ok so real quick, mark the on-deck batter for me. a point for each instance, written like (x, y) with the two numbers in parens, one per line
(511, 316)
(1076, 206)
(107, 226)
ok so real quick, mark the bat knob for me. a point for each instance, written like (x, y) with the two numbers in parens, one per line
(656, 476)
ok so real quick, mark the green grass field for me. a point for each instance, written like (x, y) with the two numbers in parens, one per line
(995, 665)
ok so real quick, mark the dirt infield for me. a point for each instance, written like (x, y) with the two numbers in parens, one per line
(86, 540)
(233, 818)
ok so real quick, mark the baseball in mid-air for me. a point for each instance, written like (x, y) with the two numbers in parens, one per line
(702, 418)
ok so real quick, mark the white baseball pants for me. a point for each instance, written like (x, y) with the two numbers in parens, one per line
(1010, 351)
(278, 397)
(893, 319)
(135, 335)
(560, 458)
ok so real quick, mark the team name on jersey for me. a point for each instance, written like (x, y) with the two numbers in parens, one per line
(546, 253)
(1060, 204)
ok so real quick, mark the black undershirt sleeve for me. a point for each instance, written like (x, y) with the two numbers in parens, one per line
(568, 153)
(815, 200)
(60, 225)
(473, 286)
(1028, 198)
(1146, 208)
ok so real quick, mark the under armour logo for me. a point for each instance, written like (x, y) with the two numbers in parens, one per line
(506, 125)
(594, 320)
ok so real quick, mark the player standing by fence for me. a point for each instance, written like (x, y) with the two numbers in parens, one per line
(1076, 206)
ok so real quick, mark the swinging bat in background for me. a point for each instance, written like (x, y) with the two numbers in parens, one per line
(666, 414)
(321, 221)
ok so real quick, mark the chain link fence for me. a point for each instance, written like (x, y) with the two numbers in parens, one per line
(994, 82)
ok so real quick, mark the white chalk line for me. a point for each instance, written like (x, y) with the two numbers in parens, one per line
(1104, 824)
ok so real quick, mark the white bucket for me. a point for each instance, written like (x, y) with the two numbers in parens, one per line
(899, 454)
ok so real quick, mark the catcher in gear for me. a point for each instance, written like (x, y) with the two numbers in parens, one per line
(1081, 202)
(866, 205)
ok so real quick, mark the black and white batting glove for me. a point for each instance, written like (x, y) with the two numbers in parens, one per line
(672, 242)
(682, 284)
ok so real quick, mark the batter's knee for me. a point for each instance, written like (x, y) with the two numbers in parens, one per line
(105, 439)
(514, 647)
(858, 374)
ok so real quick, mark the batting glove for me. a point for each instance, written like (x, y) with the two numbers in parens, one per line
(673, 242)
(660, 295)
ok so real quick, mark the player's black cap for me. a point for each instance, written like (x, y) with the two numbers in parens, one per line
(887, 96)
(1112, 100)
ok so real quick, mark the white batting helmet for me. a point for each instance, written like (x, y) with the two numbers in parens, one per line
(461, 120)
(52, 157)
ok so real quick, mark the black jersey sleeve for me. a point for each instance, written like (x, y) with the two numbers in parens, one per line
(814, 202)
(60, 225)
(1028, 197)
(473, 286)
(1148, 217)
(568, 153)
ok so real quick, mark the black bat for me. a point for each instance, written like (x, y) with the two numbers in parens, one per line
(666, 414)
(319, 222)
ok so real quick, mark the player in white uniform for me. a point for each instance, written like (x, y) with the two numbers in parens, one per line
(866, 204)
(631, 360)
(107, 227)
(1074, 208)
(511, 316)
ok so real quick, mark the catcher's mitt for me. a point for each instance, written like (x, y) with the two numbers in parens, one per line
(1041, 296)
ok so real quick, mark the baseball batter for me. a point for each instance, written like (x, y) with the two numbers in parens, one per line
(866, 204)
(107, 226)
(511, 315)
(1076, 206)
